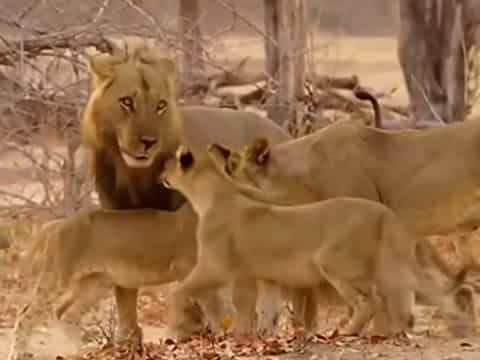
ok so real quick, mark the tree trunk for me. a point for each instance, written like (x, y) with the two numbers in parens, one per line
(300, 45)
(271, 42)
(431, 50)
(285, 58)
(189, 26)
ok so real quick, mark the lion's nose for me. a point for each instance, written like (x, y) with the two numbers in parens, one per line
(148, 142)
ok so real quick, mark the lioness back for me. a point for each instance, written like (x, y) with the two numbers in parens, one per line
(205, 125)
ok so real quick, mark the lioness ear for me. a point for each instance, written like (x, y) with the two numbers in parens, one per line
(258, 151)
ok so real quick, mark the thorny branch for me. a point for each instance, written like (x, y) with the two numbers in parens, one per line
(42, 100)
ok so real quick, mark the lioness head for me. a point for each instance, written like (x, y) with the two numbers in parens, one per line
(132, 105)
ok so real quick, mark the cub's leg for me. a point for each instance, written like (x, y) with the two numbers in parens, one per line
(244, 297)
(254, 307)
(206, 276)
(304, 308)
(311, 310)
(270, 302)
(454, 305)
(360, 301)
(298, 300)
(82, 294)
(215, 305)
(393, 312)
(32, 314)
(212, 304)
(128, 327)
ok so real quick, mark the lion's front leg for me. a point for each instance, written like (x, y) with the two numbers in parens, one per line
(203, 279)
(128, 328)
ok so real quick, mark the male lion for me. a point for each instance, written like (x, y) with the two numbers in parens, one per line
(133, 124)
(301, 247)
(80, 257)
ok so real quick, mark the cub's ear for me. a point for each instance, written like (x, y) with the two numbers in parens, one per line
(223, 158)
(219, 150)
(233, 162)
(258, 151)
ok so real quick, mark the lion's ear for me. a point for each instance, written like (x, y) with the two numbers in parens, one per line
(164, 66)
(167, 65)
(101, 66)
(258, 151)
(169, 68)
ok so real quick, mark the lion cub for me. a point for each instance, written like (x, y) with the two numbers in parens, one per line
(368, 256)
(81, 257)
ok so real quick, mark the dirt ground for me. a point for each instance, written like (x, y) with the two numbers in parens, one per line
(374, 61)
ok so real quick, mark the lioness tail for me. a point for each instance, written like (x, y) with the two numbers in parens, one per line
(365, 95)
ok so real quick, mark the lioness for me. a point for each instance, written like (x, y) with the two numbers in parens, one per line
(132, 124)
(432, 190)
(80, 257)
(301, 246)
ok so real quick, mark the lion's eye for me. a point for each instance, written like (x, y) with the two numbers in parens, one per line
(126, 102)
(161, 106)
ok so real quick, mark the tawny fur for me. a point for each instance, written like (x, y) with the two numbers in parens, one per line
(303, 246)
(431, 189)
(132, 124)
(76, 260)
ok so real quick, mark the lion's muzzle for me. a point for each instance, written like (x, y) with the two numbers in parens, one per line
(141, 161)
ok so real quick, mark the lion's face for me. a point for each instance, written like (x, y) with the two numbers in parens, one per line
(133, 104)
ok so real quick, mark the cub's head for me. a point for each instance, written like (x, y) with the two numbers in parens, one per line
(179, 172)
(260, 167)
(250, 166)
(132, 105)
(206, 172)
